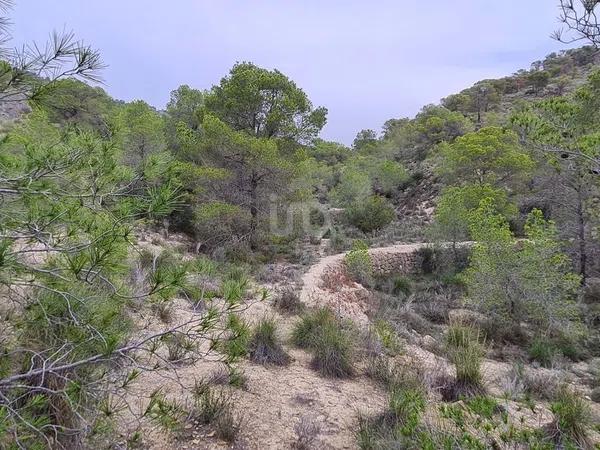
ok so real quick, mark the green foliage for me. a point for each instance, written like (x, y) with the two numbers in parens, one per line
(466, 352)
(216, 409)
(484, 406)
(388, 337)
(166, 413)
(364, 140)
(236, 345)
(545, 122)
(538, 80)
(388, 176)
(354, 186)
(543, 287)
(457, 204)
(264, 345)
(489, 156)
(370, 214)
(571, 419)
(182, 109)
(399, 426)
(330, 341)
(72, 102)
(358, 263)
(414, 140)
(333, 351)
(265, 103)
(542, 351)
(310, 325)
(140, 132)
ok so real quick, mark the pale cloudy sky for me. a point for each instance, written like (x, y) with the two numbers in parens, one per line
(366, 61)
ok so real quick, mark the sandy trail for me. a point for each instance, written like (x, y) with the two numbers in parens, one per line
(326, 284)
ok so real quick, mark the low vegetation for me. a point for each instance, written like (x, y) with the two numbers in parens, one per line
(140, 246)
(330, 340)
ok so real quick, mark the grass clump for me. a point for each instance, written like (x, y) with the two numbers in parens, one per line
(572, 417)
(329, 340)
(307, 434)
(227, 374)
(264, 345)
(288, 302)
(542, 351)
(399, 426)
(216, 408)
(388, 337)
(308, 327)
(483, 406)
(465, 348)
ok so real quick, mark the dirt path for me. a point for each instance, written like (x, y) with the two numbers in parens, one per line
(326, 284)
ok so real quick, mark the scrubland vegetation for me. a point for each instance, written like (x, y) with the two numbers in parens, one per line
(151, 263)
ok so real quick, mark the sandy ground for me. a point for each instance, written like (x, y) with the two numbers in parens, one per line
(277, 398)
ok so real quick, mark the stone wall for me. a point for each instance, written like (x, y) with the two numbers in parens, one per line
(400, 259)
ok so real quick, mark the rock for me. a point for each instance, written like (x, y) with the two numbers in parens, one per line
(428, 342)
(595, 395)
(466, 317)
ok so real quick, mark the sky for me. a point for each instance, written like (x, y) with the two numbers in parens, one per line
(366, 61)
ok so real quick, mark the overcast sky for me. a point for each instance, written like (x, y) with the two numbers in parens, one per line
(366, 61)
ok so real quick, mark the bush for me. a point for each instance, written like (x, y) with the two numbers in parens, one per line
(572, 416)
(542, 351)
(407, 406)
(371, 214)
(329, 340)
(338, 241)
(333, 352)
(265, 347)
(309, 326)
(359, 264)
(288, 302)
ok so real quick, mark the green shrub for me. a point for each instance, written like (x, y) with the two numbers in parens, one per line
(460, 336)
(572, 417)
(333, 352)
(309, 326)
(265, 347)
(542, 351)
(337, 240)
(235, 345)
(166, 413)
(466, 353)
(359, 264)
(233, 291)
(329, 340)
(399, 426)
(370, 214)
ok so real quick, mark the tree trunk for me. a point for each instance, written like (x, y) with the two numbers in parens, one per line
(581, 236)
(253, 210)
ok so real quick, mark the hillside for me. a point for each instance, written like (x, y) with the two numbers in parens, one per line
(216, 275)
